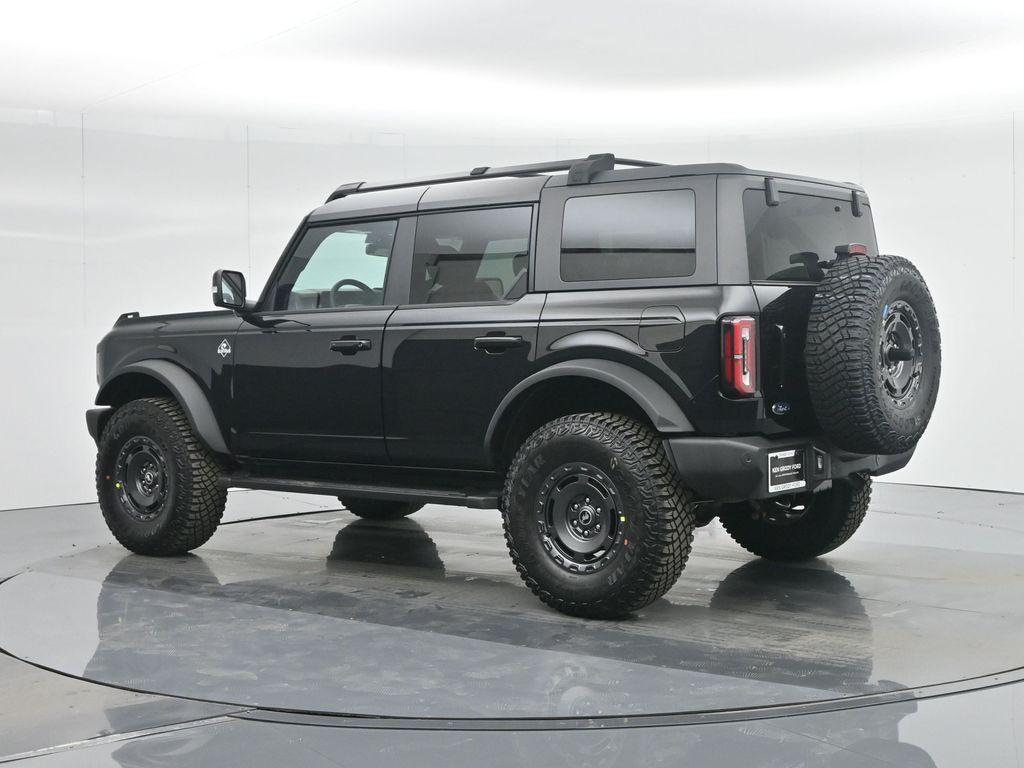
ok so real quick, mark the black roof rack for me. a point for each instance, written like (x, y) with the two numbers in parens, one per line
(581, 171)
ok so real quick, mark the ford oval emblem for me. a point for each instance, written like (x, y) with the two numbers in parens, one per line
(780, 409)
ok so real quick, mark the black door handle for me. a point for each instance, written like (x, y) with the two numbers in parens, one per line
(350, 346)
(495, 344)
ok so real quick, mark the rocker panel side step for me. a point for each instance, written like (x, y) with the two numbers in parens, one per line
(462, 498)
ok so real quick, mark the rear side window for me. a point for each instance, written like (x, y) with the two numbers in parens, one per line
(471, 256)
(785, 242)
(629, 236)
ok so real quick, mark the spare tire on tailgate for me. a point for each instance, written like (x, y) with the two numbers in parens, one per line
(873, 354)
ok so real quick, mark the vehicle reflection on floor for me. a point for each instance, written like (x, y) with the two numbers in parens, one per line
(380, 572)
(795, 627)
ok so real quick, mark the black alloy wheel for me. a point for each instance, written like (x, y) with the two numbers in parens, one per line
(142, 480)
(900, 353)
(580, 516)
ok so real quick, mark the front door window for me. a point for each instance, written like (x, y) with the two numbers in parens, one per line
(336, 266)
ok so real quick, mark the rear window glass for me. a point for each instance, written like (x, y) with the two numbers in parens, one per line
(628, 236)
(785, 242)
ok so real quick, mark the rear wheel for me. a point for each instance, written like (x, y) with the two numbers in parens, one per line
(596, 520)
(799, 527)
(157, 484)
(376, 509)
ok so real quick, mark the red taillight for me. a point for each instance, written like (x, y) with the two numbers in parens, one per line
(852, 249)
(739, 355)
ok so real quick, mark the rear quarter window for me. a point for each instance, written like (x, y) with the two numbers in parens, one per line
(785, 242)
(628, 236)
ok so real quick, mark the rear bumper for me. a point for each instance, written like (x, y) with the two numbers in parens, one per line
(736, 468)
(95, 418)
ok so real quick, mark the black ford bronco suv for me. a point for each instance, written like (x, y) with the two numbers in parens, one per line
(610, 356)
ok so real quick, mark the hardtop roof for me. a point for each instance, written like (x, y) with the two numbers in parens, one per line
(516, 184)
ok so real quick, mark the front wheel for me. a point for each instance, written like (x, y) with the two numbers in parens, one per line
(596, 520)
(157, 484)
(799, 527)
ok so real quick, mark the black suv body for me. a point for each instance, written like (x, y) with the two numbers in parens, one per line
(414, 335)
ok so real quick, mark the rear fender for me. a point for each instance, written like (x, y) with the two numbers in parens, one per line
(659, 406)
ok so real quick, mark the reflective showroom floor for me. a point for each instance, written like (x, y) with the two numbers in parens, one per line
(301, 635)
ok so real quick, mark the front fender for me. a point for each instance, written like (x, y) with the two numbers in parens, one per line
(660, 407)
(183, 387)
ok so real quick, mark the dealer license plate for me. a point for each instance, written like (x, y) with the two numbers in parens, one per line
(786, 470)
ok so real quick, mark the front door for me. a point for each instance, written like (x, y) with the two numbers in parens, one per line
(307, 368)
(465, 338)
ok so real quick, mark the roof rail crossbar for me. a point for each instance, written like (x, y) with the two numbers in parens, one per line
(581, 171)
(345, 189)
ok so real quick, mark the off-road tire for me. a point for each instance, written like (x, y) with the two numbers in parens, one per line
(833, 517)
(194, 503)
(844, 367)
(377, 509)
(655, 533)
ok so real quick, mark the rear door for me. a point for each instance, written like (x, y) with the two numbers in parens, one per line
(463, 339)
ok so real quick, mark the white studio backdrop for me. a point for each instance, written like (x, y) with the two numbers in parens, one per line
(115, 213)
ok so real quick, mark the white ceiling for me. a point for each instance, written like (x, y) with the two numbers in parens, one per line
(522, 67)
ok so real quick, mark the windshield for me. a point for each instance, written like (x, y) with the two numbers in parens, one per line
(786, 242)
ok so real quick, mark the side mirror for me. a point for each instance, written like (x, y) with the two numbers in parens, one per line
(229, 289)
